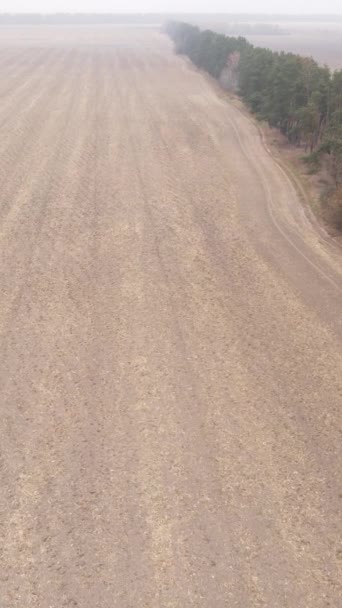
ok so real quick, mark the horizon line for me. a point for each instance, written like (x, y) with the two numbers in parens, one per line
(140, 13)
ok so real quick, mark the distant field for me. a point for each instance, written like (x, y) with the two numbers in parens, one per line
(35, 35)
(321, 40)
(317, 36)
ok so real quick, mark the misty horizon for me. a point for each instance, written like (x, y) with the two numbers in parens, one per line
(184, 12)
(176, 12)
(236, 7)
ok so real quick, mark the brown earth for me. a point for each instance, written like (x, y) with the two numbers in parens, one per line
(171, 359)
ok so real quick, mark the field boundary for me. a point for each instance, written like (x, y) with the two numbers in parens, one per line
(297, 182)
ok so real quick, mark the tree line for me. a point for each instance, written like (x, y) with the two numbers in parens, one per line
(290, 92)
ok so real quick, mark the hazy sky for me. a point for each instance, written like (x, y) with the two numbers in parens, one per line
(231, 6)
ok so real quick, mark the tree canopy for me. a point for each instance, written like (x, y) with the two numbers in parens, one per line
(293, 93)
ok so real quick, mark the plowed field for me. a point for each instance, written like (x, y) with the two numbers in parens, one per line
(170, 354)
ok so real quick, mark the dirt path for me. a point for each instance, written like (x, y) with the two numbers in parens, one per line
(170, 360)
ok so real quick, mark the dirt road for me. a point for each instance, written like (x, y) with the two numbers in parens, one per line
(170, 360)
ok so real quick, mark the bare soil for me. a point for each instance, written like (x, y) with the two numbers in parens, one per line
(170, 358)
